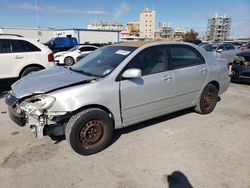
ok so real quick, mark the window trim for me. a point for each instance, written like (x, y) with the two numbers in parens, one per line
(171, 67)
(166, 59)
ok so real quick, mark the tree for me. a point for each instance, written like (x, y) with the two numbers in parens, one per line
(190, 35)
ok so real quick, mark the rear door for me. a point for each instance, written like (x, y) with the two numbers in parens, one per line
(11, 58)
(151, 94)
(190, 72)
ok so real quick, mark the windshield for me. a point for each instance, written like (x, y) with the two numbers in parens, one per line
(73, 49)
(103, 61)
(210, 47)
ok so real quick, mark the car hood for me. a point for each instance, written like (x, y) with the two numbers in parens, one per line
(48, 80)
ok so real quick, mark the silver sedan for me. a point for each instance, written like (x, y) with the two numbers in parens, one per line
(114, 87)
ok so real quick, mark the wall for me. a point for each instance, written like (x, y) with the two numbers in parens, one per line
(42, 34)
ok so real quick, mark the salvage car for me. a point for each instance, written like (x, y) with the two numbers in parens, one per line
(114, 87)
(241, 67)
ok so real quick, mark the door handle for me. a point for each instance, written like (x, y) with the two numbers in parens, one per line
(203, 70)
(19, 57)
(166, 78)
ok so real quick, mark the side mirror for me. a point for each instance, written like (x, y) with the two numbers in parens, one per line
(220, 50)
(78, 51)
(132, 73)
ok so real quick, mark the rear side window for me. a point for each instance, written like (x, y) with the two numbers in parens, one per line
(185, 56)
(26, 46)
(5, 46)
(229, 47)
(85, 49)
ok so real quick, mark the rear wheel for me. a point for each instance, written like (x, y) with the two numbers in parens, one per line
(89, 131)
(69, 61)
(208, 100)
(30, 70)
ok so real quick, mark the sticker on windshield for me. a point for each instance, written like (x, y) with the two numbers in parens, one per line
(122, 52)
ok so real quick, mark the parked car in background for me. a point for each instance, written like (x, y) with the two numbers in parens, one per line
(69, 57)
(114, 87)
(59, 44)
(221, 50)
(80, 57)
(241, 67)
(21, 56)
(193, 41)
(245, 46)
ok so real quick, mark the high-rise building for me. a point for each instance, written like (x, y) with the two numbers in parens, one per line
(147, 23)
(218, 28)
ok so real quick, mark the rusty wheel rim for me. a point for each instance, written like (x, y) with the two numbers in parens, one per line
(91, 133)
(209, 99)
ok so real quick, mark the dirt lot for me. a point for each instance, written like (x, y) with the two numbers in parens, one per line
(183, 148)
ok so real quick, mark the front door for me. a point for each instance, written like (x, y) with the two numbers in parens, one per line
(150, 95)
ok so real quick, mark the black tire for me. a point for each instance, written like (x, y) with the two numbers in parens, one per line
(89, 131)
(208, 100)
(68, 61)
(30, 70)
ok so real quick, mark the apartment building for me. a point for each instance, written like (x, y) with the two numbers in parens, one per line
(218, 28)
(147, 23)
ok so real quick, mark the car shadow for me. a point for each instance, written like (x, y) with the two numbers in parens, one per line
(178, 180)
(145, 124)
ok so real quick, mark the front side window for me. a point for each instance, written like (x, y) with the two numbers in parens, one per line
(185, 56)
(5, 46)
(103, 61)
(150, 60)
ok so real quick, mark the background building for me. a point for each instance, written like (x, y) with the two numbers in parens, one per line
(218, 28)
(179, 33)
(90, 35)
(133, 28)
(165, 31)
(105, 25)
(147, 23)
(42, 34)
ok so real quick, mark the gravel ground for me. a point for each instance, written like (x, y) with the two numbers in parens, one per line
(182, 149)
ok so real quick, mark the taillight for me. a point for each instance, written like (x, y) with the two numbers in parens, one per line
(51, 57)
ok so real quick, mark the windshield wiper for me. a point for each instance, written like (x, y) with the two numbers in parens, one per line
(85, 73)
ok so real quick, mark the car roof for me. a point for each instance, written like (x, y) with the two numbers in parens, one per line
(143, 43)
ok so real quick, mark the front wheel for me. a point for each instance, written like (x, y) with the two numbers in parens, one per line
(89, 131)
(208, 100)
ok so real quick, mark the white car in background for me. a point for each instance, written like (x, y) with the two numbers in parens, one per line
(21, 56)
(69, 57)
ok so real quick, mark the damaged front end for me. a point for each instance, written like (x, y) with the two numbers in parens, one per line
(33, 111)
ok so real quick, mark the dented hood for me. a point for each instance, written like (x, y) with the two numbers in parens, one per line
(48, 80)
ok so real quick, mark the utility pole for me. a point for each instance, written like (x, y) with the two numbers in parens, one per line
(37, 15)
